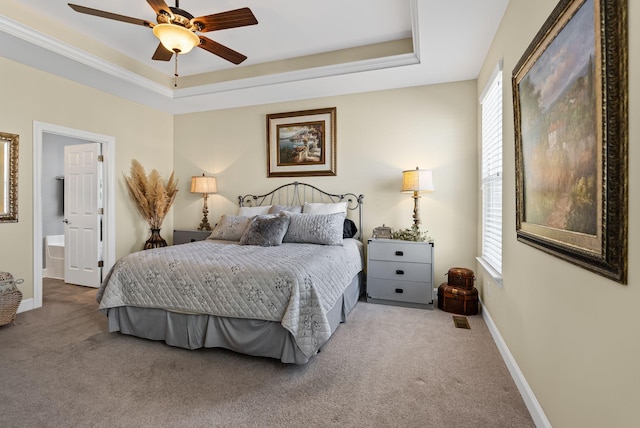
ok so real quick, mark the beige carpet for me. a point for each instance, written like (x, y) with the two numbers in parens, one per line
(386, 367)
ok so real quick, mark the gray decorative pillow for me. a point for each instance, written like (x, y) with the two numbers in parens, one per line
(230, 228)
(325, 229)
(266, 230)
(275, 209)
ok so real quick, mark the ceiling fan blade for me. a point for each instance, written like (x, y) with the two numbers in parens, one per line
(221, 50)
(221, 21)
(109, 15)
(159, 6)
(162, 53)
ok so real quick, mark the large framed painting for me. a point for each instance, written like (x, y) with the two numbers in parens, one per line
(301, 143)
(571, 132)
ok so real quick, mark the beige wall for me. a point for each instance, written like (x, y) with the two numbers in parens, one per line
(379, 134)
(140, 132)
(573, 334)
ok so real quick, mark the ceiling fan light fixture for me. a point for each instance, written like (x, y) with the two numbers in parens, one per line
(176, 38)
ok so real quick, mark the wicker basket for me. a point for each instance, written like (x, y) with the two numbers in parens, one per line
(10, 298)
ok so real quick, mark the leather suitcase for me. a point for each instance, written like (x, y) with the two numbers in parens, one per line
(458, 300)
(461, 277)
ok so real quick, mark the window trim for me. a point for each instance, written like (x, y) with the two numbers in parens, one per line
(485, 262)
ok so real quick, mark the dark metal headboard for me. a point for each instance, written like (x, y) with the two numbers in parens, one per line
(298, 193)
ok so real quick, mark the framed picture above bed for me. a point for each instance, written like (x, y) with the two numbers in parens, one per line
(301, 143)
(571, 137)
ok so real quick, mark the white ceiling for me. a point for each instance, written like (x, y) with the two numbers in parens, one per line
(450, 41)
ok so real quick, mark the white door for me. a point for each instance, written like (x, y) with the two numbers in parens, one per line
(83, 214)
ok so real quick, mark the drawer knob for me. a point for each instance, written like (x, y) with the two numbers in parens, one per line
(399, 253)
(399, 272)
(399, 290)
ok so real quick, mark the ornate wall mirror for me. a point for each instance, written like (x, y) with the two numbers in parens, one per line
(8, 178)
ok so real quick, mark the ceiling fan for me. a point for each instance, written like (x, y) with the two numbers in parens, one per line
(176, 29)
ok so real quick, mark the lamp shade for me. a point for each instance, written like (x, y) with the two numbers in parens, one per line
(202, 184)
(176, 38)
(417, 180)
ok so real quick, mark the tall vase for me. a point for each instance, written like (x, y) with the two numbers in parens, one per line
(155, 241)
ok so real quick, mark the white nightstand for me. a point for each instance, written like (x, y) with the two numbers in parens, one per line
(186, 236)
(400, 273)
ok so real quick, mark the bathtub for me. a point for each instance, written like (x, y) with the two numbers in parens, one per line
(54, 257)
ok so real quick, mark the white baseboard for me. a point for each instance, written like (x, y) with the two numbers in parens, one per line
(25, 305)
(530, 400)
(47, 274)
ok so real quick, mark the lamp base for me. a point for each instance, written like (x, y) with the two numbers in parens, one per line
(416, 209)
(204, 224)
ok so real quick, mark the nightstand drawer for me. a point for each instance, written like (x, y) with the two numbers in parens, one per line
(400, 291)
(395, 250)
(401, 271)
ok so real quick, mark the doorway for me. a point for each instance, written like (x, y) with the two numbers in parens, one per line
(41, 134)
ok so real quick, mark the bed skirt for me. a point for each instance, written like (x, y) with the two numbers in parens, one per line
(247, 336)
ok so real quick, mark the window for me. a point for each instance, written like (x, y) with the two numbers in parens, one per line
(491, 107)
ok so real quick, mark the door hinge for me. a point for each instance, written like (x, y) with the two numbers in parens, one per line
(100, 158)
(100, 210)
(100, 263)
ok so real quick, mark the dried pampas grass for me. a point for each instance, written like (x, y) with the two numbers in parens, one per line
(151, 196)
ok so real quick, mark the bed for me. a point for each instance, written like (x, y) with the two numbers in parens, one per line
(274, 280)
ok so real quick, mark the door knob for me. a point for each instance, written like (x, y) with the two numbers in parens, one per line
(65, 221)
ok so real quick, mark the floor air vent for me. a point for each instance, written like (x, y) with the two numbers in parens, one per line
(461, 322)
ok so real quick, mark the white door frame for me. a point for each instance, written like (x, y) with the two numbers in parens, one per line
(109, 219)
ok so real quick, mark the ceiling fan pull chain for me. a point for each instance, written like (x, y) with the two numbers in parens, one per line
(175, 73)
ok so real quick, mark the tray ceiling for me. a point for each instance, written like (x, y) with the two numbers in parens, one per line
(298, 49)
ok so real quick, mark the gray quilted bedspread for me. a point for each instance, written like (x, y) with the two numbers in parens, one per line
(294, 284)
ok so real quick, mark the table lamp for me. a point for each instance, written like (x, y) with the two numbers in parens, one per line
(417, 181)
(204, 185)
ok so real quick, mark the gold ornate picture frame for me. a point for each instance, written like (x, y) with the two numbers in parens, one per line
(570, 110)
(301, 143)
(8, 177)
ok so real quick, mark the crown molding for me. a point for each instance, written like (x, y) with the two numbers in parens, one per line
(33, 37)
(299, 75)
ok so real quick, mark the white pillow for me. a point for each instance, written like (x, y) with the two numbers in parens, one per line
(251, 211)
(321, 208)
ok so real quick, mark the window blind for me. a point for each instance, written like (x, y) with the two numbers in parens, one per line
(491, 106)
